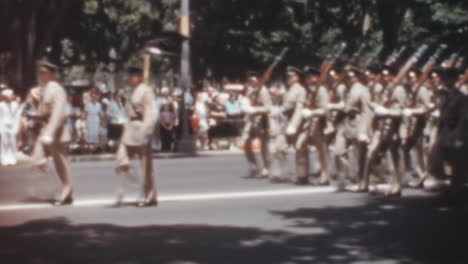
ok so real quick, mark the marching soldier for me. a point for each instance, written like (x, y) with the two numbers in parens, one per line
(451, 141)
(312, 131)
(136, 137)
(415, 122)
(376, 90)
(54, 137)
(293, 105)
(336, 114)
(356, 127)
(257, 105)
(386, 136)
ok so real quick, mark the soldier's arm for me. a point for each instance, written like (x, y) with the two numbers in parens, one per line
(149, 113)
(322, 104)
(266, 103)
(367, 113)
(56, 97)
(299, 107)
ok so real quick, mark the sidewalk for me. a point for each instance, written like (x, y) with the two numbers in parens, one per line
(199, 154)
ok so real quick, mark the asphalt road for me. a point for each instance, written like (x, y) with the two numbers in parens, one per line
(210, 214)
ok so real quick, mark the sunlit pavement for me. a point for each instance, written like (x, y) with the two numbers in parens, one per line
(208, 213)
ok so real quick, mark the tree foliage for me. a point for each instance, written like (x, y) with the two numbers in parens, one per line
(229, 37)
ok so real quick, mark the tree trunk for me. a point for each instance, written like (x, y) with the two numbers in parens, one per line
(391, 13)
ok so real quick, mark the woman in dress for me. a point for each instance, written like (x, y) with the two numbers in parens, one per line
(93, 111)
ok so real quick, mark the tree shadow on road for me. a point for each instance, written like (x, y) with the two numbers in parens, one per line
(406, 230)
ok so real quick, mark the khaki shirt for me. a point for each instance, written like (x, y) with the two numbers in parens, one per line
(424, 105)
(293, 102)
(358, 111)
(257, 121)
(52, 105)
(316, 124)
(142, 117)
(398, 101)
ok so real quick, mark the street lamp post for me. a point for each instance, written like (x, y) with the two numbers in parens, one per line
(186, 143)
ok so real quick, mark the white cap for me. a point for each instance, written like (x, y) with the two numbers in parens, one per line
(7, 93)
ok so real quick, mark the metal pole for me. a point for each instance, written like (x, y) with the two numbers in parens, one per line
(186, 143)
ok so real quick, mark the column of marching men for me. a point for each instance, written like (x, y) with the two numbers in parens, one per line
(406, 120)
(367, 120)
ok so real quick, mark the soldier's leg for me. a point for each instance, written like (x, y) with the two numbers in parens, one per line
(250, 157)
(279, 165)
(323, 154)
(420, 164)
(149, 186)
(374, 149)
(122, 171)
(302, 158)
(397, 175)
(265, 152)
(459, 173)
(341, 156)
(361, 157)
(59, 153)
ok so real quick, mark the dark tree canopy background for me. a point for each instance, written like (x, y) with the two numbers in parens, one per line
(229, 36)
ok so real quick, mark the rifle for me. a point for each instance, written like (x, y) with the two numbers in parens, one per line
(349, 63)
(325, 67)
(395, 56)
(329, 62)
(403, 72)
(267, 74)
(450, 62)
(460, 62)
(430, 64)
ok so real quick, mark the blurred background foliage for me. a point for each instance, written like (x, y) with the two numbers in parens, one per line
(229, 37)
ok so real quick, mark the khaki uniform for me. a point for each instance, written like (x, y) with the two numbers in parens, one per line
(312, 132)
(387, 136)
(52, 106)
(257, 126)
(413, 137)
(293, 105)
(355, 128)
(451, 142)
(137, 134)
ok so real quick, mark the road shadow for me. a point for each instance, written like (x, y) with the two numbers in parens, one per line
(405, 230)
(431, 229)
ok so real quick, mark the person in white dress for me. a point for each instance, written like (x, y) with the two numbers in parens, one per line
(93, 121)
(202, 114)
(10, 113)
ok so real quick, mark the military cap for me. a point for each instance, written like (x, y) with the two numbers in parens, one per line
(354, 71)
(448, 73)
(389, 69)
(252, 75)
(7, 93)
(290, 70)
(134, 69)
(374, 68)
(414, 71)
(308, 70)
(46, 66)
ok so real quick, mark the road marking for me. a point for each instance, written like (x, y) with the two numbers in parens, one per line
(94, 202)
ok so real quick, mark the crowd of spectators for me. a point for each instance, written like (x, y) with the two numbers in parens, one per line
(95, 119)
